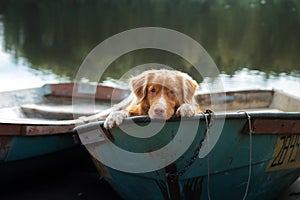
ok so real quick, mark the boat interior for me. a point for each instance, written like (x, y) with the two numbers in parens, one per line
(30, 104)
(250, 101)
(54, 102)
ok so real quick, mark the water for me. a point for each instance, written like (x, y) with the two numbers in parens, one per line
(255, 44)
(17, 73)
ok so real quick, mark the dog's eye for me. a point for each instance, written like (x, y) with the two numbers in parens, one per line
(172, 91)
(152, 90)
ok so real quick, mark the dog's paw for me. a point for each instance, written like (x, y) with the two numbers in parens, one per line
(115, 119)
(186, 110)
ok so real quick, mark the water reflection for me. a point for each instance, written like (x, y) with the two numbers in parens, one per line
(18, 74)
(253, 79)
(57, 35)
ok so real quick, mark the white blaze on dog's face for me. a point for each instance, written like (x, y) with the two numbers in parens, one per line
(161, 92)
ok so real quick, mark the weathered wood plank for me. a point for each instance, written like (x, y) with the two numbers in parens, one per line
(236, 100)
(274, 126)
(98, 92)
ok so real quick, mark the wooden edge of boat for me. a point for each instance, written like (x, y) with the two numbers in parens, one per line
(87, 90)
(35, 127)
(31, 127)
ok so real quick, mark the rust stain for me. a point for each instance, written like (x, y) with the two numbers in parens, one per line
(101, 169)
(5, 144)
(149, 151)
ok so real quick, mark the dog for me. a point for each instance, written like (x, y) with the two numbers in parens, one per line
(160, 94)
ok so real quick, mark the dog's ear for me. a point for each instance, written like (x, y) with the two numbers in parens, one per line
(189, 88)
(138, 86)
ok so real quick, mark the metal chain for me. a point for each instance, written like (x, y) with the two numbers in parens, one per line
(209, 122)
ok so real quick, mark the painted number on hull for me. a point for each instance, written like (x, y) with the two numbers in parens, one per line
(286, 154)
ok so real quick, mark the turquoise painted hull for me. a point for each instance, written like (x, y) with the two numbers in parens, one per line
(222, 174)
(24, 147)
(26, 157)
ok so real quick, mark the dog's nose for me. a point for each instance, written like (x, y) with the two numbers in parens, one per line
(159, 110)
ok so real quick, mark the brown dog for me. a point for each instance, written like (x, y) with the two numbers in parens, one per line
(159, 94)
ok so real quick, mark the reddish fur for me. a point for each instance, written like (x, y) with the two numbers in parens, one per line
(177, 88)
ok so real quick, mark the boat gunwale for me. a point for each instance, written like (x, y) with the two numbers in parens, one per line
(66, 125)
(238, 115)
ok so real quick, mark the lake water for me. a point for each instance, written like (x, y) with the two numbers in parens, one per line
(255, 44)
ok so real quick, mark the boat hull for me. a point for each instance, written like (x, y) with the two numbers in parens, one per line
(226, 185)
(257, 164)
(24, 147)
(36, 126)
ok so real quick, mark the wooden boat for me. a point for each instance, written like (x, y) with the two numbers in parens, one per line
(254, 154)
(36, 125)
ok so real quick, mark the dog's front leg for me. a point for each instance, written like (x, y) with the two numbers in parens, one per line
(115, 118)
(186, 110)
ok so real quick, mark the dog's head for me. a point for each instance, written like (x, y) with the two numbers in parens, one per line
(161, 92)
